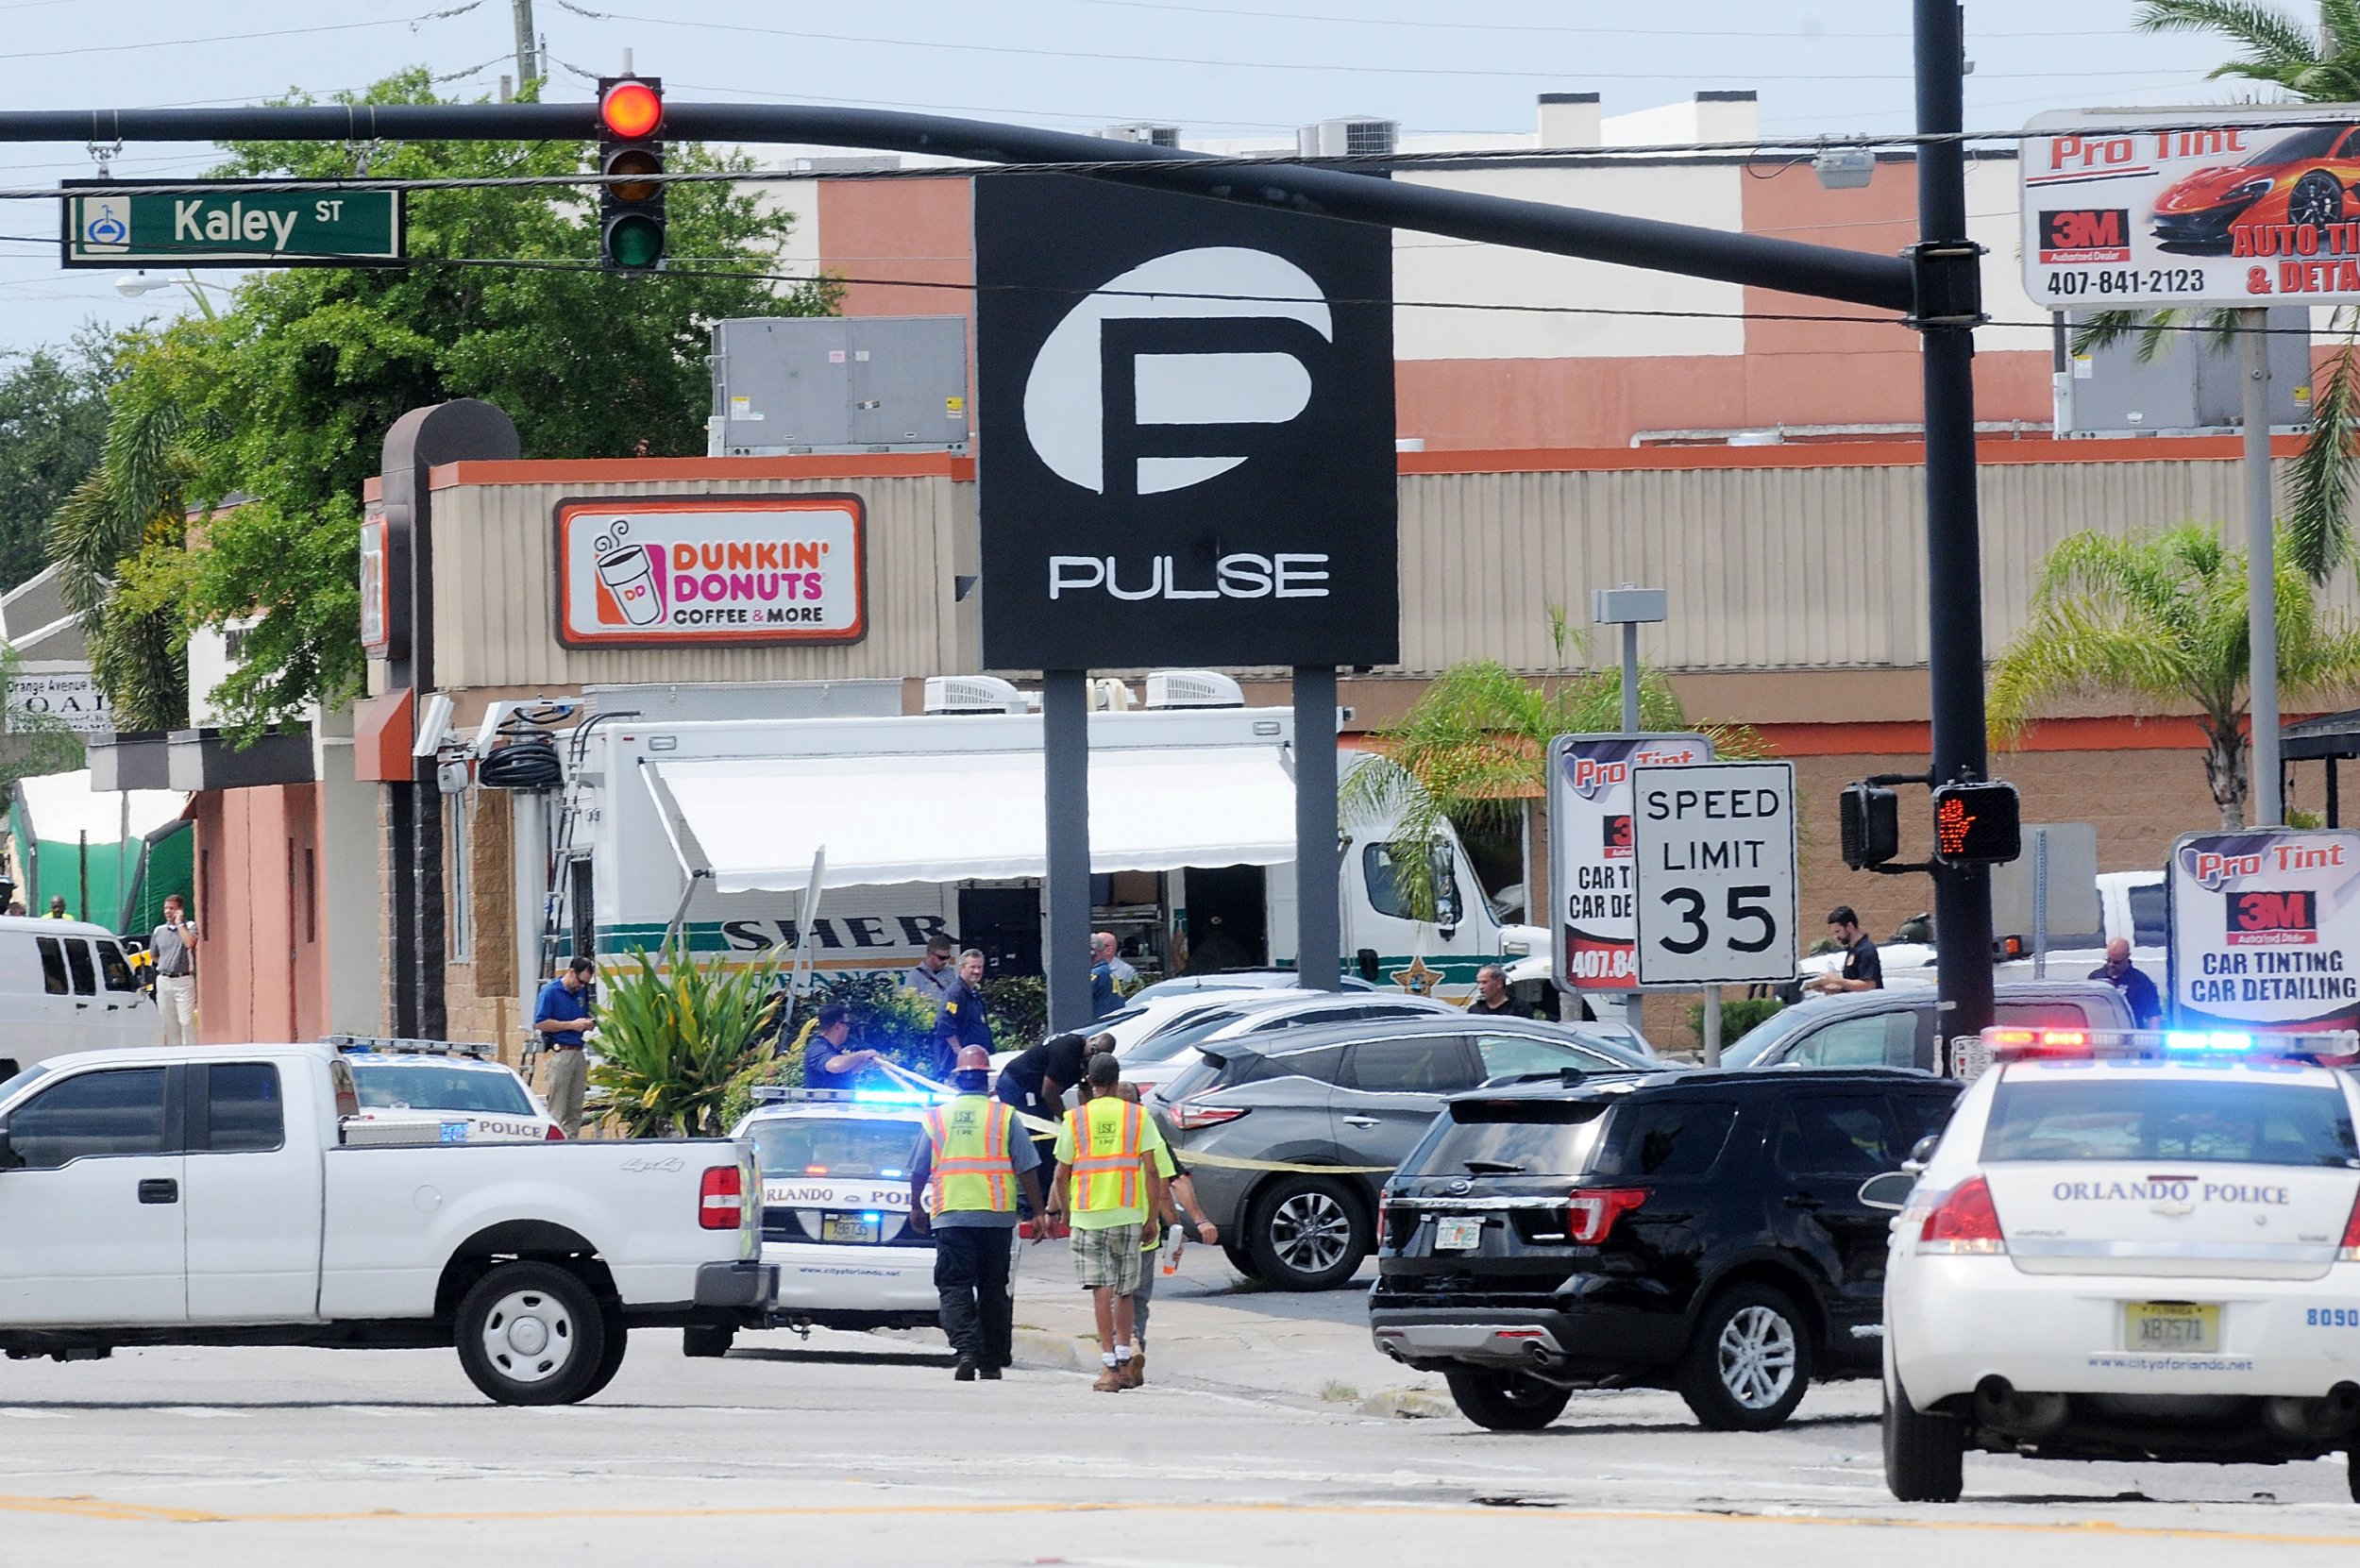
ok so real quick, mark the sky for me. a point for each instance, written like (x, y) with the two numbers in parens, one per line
(1213, 67)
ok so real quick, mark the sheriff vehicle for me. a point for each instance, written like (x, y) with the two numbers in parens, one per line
(2129, 1246)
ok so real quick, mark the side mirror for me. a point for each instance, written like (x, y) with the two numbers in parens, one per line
(9, 1158)
(1889, 1191)
(1923, 1151)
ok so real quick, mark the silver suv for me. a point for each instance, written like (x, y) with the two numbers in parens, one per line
(1894, 1027)
(1290, 1136)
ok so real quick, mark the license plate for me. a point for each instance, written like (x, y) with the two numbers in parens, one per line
(2171, 1326)
(1458, 1235)
(847, 1228)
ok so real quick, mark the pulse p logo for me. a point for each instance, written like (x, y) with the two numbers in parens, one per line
(1141, 388)
(1185, 432)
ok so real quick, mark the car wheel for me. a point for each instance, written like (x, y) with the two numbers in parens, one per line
(1749, 1362)
(704, 1342)
(1505, 1401)
(2316, 201)
(1240, 1261)
(611, 1359)
(1924, 1453)
(531, 1334)
(1307, 1234)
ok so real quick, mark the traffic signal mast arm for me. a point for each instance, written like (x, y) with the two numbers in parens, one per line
(1822, 272)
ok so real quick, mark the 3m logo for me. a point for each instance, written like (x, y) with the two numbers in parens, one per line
(2086, 234)
(1617, 835)
(2273, 919)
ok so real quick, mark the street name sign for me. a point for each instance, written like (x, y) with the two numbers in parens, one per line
(230, 224)
(1713, 846)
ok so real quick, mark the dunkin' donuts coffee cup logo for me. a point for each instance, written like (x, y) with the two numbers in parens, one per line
(656, 570)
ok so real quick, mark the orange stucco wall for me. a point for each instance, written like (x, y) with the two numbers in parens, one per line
(262, 972)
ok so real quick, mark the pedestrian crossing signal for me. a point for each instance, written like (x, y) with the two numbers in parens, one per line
(631, 164)
(1871, 819)
(1978, 824)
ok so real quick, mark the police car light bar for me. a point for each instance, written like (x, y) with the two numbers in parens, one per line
(779, 1094)
(393, 1046)
(2007, 1044)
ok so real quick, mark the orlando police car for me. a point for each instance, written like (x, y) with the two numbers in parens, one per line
(468, 1099)
(835, 1210)
(2141, 1246)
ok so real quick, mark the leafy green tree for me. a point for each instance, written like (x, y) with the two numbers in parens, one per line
(2318, 66)
(2161, 617)
(53, 420)
(278, 407)
(1474, 746)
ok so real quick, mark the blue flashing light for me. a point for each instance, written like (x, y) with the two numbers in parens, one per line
(891, 1097)
(891, 1174)
(873, 1217)
(2194, 1042)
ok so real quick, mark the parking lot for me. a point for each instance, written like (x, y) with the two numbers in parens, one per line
(1269, 1432)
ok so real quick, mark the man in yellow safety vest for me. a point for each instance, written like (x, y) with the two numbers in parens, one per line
(1112, 1166)
(978, 1159)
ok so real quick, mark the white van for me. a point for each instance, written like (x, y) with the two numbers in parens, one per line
(65, 986)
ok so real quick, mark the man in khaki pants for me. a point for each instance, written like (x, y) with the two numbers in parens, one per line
(173, 945)
(563, 1009)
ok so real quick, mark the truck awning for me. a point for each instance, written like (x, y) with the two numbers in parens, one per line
(754, 824)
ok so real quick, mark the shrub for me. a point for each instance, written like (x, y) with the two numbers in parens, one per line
(675, 1037)
(1736, 1017)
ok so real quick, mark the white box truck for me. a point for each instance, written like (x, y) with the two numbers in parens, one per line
(934, 822)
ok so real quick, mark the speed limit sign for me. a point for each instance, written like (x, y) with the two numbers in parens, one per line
(1713, 846)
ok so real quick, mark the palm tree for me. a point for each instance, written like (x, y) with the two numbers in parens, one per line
(1473, 749)
(2161, 617)
(2325, 67)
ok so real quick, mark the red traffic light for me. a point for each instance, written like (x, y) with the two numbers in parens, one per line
(632, 109)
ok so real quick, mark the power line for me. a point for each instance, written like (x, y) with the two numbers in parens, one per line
(1423, 71)
(411, 22)
(1358, 23)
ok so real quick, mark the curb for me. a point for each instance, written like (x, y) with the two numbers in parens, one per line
(1038, 1351)
(1406, 1405)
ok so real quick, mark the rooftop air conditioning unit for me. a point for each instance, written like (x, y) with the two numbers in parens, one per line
(1155, 136)
(1193, 688)
(972, 693)
(1348, 138)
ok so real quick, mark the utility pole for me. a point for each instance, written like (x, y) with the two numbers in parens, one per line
(2261, 573)
(1948, 309)
(528, 60)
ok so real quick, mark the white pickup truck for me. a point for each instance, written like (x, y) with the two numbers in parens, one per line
(221, 1196)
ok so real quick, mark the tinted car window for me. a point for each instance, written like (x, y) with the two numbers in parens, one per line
(2150, 911)
(113, 969)
(243, 1108)
(91, 1116)
(53, 966)
(1323, 1065)
(1385, 866)
(2183, 1122)
(1430, 1064)
(1666, 1138)
(1510, 1138)
(1192, 1031)
(1882, 1040)
(1922, 1114)
(1508, 1056)
(77, 959)
(1359, 1013)
(1764, 1040)
(1837, 1134)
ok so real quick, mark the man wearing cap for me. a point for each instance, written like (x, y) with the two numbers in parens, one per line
(978, 1159)
(1112, 1166)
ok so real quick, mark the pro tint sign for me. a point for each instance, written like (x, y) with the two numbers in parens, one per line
(2265, 929)
(1186, 414)
(685, 570)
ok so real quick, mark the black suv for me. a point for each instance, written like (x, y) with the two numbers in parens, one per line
(1701, 1231)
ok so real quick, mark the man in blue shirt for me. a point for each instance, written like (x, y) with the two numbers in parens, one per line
(563, 1009)
(961, 1020)
(826, 1062)
(2138, 991)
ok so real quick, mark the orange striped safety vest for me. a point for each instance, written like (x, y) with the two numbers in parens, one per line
(1107, 1137)
(971, 1168)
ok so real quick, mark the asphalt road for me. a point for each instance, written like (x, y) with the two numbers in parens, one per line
(1269, 1434)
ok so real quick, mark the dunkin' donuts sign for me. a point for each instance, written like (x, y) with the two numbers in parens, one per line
(642, 571)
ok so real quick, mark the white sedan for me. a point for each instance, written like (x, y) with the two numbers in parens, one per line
(471, 1100)
(2131, 1247)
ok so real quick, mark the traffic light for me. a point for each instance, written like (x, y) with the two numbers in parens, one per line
(631, 144)
(1978, 824)
(1872, 826)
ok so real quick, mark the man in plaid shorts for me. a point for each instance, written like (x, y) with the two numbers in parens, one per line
(1112, 1165)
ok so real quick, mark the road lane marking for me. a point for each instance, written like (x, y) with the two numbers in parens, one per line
(92, 1508)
